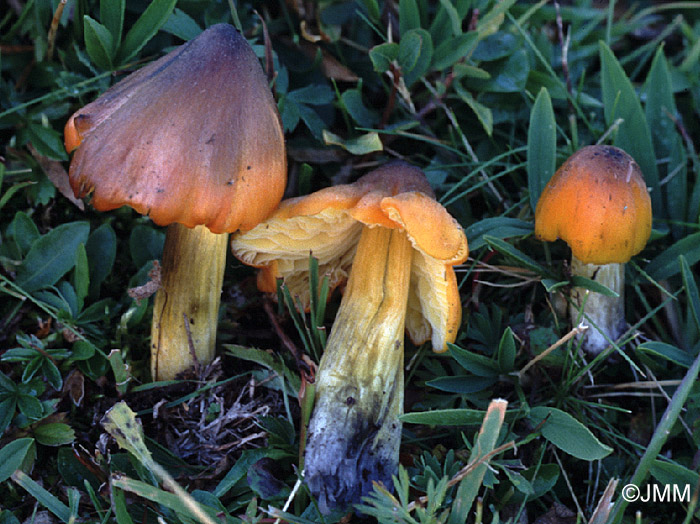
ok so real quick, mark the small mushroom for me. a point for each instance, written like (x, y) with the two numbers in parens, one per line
(598, 203)
(397, 247)
(194, 141)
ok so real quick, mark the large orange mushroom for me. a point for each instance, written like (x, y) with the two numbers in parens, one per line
(194, 141)
(598, 203)
(397, 247)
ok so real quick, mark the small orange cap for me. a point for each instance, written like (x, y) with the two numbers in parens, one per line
(598, 203)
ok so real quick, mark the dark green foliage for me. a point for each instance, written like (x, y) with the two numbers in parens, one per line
(476, 93)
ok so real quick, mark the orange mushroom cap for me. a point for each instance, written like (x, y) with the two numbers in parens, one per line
(598, 203)
(193, 138)
(328, 224)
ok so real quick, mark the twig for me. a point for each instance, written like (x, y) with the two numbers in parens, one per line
(568, 483)
(289, 500)
(466, 470)
(575, 331)
(54, 28)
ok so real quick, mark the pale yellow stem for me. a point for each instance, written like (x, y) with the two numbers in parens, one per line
(355, 432)
(606, 314)
(191, 279)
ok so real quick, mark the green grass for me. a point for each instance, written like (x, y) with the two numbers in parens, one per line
(480, 94)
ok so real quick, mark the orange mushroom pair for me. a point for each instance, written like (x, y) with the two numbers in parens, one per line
(397, 247)
(194, 141)
(598, 203)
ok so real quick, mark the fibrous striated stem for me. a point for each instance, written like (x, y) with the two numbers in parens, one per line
(355, 432)
(606, 314)
(191, 279)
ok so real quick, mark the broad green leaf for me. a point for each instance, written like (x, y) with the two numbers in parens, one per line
(409, 16)
(453, 16)
(361, 145)
(477, 364)
(383, 55)
(314, 122)
(508, 75)
(541, 146)
(495, 47)
(665, 265)
(7, 412)
(520, 483)
(415, 54)
(352, 101)
(145, 28)
(620, 100)
(98, 43)
(442, 28)
(453, 49)
(462, 384)
(112, 17)
(46, 141)
(30, 406)
(51, 256)
(445, 417)
(568, 434)
(23, 231)
(491, 21)
(240, 468)
(496, 227)
(54, 434)
(667, 351)
(542, 479)
(670, 474)
(145, 244)
(12, 455)
(485, 444)
(181, 25)
(313, 95)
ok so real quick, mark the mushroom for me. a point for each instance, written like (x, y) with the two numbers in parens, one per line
(598, 203)
(194, 141)
(396, 246)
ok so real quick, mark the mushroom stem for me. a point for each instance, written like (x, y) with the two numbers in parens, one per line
(355, 431)
(606, 315)
(191, 278)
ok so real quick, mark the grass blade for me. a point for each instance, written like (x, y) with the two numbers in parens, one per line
(485, 444)
(541, 146)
